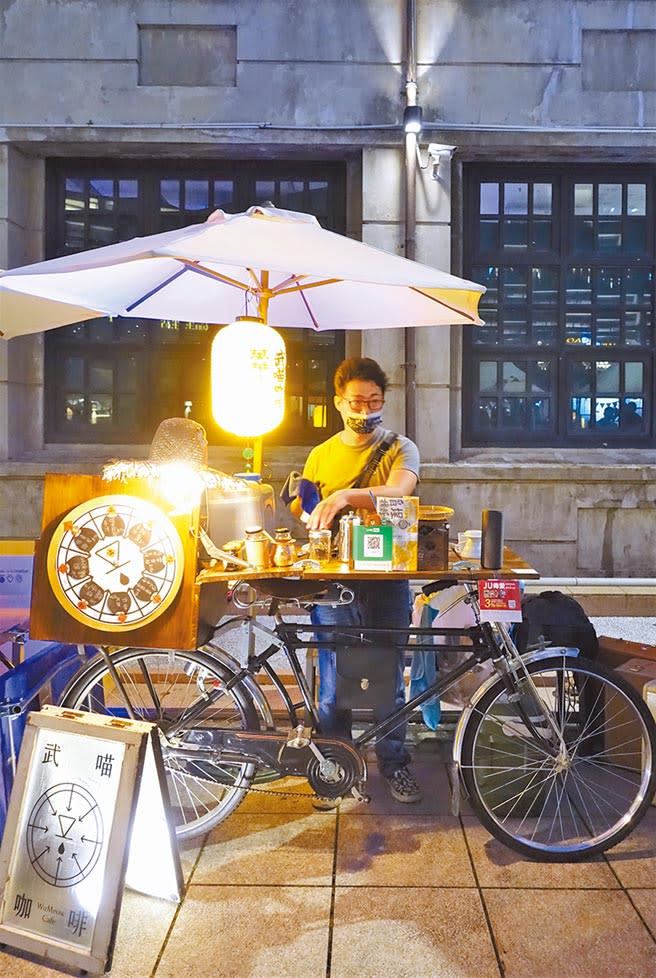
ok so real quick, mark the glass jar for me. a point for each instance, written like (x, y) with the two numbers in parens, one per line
(433, 537)
(284, 550)
(257, 545)
(320, 545)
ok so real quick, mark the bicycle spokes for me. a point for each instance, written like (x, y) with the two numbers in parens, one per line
(563, 764)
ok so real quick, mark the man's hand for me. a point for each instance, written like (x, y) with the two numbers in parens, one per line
(323, 514)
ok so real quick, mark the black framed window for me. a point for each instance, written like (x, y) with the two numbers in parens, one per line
(566, 356)
(115, 380)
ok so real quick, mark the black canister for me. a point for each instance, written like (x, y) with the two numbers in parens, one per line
(433, 537)
(492, 539)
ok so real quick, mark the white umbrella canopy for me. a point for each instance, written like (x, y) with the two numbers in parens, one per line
(282, 263)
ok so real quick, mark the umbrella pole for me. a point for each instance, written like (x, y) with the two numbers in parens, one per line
(410, 365)
(263, 312)
(258, 444)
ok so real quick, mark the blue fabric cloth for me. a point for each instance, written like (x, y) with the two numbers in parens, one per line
(423, 673)
(380, 604)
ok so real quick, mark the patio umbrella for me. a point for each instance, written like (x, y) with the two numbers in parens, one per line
(279, 264)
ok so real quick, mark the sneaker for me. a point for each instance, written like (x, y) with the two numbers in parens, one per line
(325, 804)
(403, 786)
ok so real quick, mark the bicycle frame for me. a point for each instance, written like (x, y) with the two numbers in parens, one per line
(486, 641)
(245, 675)
(333, 636)
(489, 641)
(290, 637)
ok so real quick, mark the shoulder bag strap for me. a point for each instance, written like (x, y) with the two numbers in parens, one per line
(375, 460)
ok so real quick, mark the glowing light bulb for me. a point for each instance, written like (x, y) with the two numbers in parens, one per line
(248, 377)
(181, 485)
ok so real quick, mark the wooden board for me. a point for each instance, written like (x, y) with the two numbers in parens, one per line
(514, 568)
(175, 628)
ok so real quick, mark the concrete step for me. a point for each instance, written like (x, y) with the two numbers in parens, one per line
(607, 598)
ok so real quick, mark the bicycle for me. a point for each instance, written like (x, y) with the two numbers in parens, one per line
(24, 686)
(555, 752)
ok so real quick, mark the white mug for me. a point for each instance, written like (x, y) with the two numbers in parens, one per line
(471, 543)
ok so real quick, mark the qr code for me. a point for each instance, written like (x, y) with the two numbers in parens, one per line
(373, 546)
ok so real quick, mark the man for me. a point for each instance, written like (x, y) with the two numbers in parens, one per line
(335, 466)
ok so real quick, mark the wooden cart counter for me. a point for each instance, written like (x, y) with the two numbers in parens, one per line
(514, 568)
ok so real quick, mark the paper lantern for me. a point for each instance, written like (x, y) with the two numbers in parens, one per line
(248, 377)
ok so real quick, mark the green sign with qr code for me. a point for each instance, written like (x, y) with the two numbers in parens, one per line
(372, 548)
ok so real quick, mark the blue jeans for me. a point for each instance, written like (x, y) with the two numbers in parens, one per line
(380, 604)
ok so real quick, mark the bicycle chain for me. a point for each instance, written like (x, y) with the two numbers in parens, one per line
(280, 794)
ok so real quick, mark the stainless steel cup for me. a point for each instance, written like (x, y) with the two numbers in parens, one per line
(345, 538)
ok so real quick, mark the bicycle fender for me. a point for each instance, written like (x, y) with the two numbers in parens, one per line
(490, 681)
(228, 660)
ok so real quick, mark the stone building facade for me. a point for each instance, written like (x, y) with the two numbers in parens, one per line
(551, 102)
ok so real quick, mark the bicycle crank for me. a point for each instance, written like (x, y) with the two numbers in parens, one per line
(332, 766)
(335, 774)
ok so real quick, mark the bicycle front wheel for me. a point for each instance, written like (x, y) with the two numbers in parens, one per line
(562, 767)
(184, 694)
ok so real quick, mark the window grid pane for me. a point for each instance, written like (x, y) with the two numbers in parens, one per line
(595, 293)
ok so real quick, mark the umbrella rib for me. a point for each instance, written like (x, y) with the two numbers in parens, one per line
(158, 288)
(447, 305)
(309, 311)
(306, 285)
(256, 281)
(290, 278)
(279, 290)
(201, 270)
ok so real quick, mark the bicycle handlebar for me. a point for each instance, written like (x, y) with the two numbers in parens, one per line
(301, 594)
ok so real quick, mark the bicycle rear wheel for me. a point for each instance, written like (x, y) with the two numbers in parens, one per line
(560, 791)
(163, 687)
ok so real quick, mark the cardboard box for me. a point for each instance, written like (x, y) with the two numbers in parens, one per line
(615, 651)
(402, 514)
(372, 548)
(641, 674)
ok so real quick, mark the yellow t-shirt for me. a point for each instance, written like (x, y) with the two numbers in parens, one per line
(332, 465)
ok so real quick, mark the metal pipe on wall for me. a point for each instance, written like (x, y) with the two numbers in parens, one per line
(410, 217)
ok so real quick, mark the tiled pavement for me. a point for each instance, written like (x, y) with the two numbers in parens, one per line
(385, 891)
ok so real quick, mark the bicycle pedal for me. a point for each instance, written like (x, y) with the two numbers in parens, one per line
(299, 737)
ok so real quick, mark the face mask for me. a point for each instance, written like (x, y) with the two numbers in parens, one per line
(364, 425)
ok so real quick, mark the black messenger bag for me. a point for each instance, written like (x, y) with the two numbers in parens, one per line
(365, 677)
